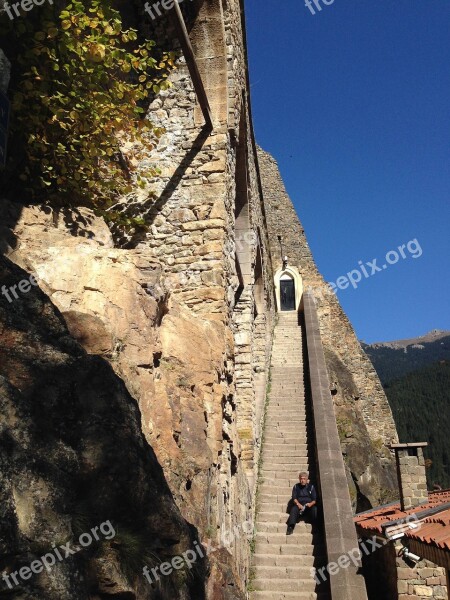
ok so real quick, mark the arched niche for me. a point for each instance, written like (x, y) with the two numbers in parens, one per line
(288, 288)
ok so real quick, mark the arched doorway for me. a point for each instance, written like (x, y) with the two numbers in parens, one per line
(287, 292)
(288, 288)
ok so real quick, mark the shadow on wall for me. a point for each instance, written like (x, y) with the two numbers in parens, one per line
(73, 456)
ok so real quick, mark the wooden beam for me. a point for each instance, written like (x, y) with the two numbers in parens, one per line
(188, 51)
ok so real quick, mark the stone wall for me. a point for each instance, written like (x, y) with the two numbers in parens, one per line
(363, 414)
(389, 577)
(421, 581)
(183, 312)
(412, 477)
(208, 223)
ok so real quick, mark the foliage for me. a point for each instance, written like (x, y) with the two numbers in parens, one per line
(77, 105)
(420, 403)
(133, 548)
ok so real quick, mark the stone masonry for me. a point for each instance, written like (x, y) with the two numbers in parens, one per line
(411, 474)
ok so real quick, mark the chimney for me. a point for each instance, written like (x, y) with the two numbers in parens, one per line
(412, 479)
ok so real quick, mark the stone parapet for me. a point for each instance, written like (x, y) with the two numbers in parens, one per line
(340, 533)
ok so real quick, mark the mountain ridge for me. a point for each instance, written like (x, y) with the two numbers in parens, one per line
(431, 336)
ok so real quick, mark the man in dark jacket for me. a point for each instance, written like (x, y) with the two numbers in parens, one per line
(304, 500)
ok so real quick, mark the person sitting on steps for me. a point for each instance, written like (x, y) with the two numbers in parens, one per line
(303, 503)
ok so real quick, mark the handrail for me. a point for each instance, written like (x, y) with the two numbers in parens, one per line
(346, 582)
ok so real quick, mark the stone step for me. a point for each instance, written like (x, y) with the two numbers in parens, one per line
(297, 540)
(286, 401)
(288, 375)
(280, 415)
(277, 487)
(286, 435)
(277, 447)
(284, 584)
(283, 427)
(285, 397)
(280, 457)
(310, 555)
(267, 479)
(288, 470)
(280, 595)
(280, 527)
(285, 406)
(279, 560)
(276, 508)
(296, 421)
(299, 417)
(285, 572)
(298, 431)
(279, 490)
(276, 428)
(287, 391)
(278, 438)
(272, 473)
(279, 516)
(293, 393)
(289, 466)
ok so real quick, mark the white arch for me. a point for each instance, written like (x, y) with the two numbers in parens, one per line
(289, 272)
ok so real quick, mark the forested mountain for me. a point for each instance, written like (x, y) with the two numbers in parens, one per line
(420, 402)
(416, 376)
(395, 359)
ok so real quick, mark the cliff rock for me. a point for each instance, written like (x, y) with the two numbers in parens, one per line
(73, 458)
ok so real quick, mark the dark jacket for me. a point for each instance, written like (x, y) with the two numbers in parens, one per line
(304, 493)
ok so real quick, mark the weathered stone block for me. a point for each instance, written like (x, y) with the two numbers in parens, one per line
(423, 590)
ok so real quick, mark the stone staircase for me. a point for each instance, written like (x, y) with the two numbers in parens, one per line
(282, 564)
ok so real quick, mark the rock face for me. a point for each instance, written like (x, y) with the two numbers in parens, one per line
(363, 414)
(172, 361)
(72, 458)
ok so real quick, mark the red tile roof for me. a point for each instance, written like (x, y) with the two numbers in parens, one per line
(434, 529)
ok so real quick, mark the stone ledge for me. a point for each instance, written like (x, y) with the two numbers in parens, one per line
(340, 533)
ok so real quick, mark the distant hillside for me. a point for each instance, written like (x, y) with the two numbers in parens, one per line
(420, 402)
(396, 359)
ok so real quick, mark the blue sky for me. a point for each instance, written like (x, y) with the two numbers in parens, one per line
(354, 103)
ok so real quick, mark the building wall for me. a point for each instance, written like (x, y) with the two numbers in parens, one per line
(389, 577)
